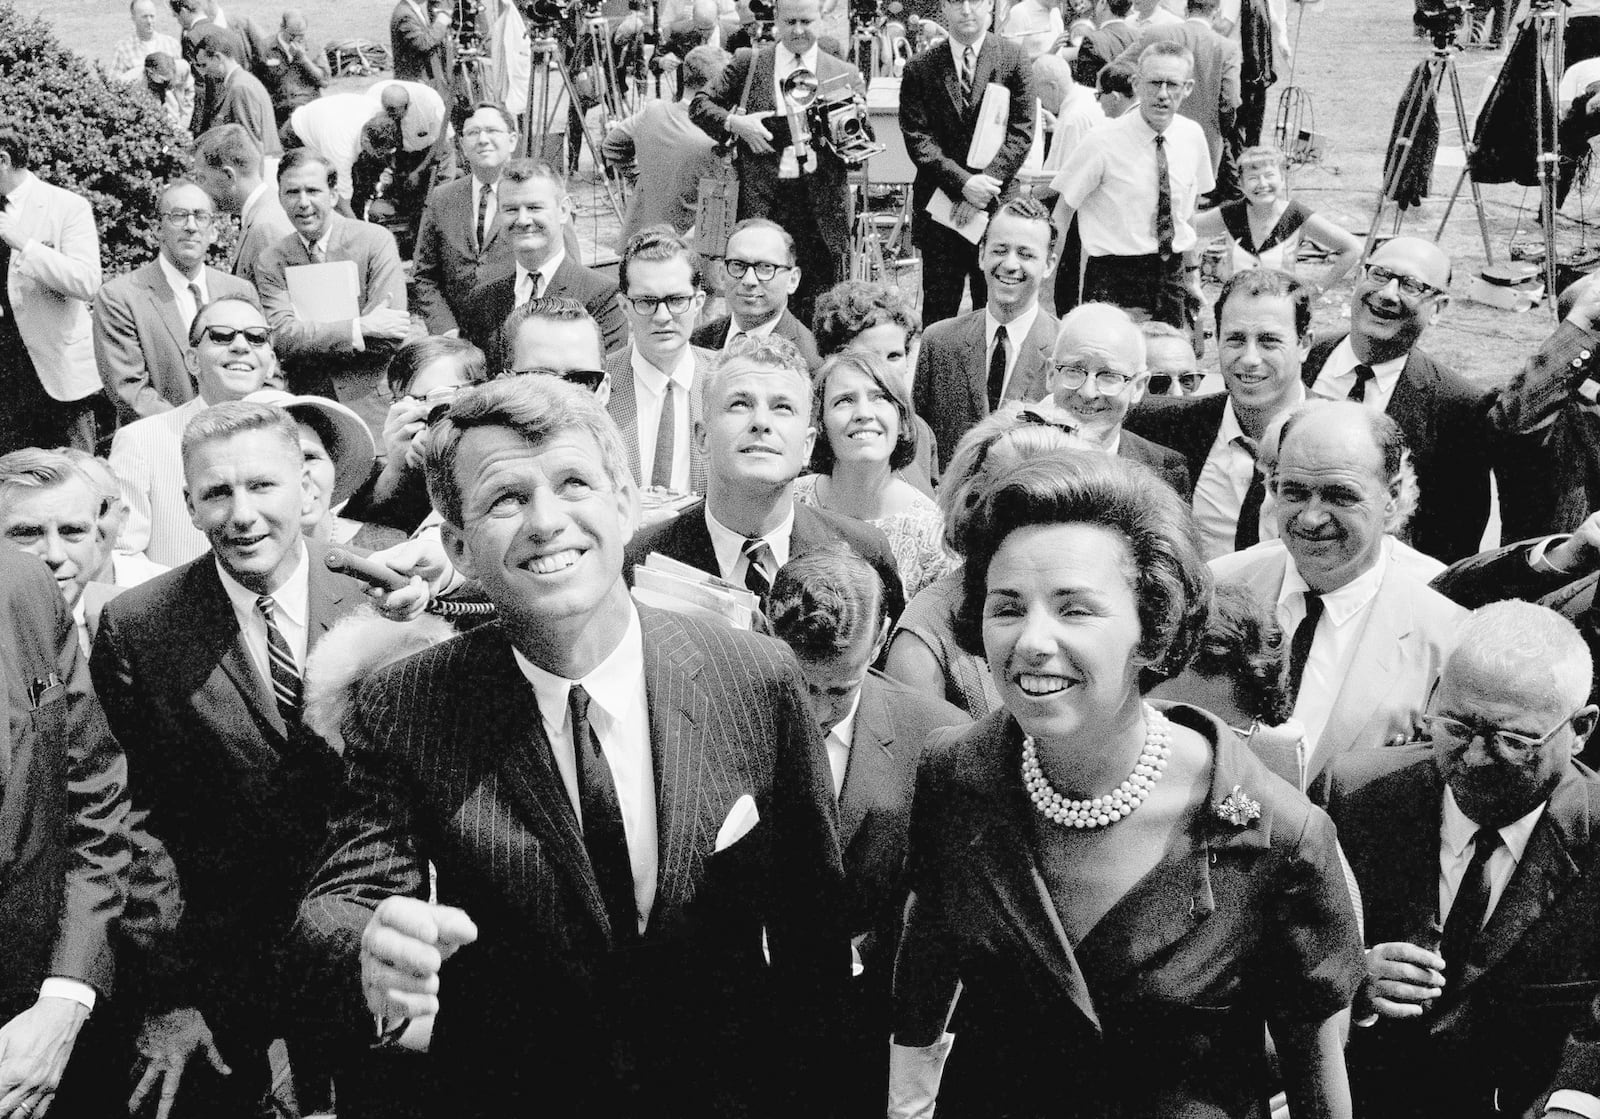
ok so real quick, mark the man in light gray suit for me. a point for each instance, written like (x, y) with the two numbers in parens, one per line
(968, 365)
(141, 320)
(1368, 638)
(227, 165)
(1214, 102)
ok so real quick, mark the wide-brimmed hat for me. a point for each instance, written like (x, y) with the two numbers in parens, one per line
(344, 434)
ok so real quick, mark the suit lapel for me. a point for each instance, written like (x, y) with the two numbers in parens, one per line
(1411, 857)
(974, 361)
(952, 79)
(870, 767)
(1027, 376)
(165, 305)
(218, 639)
(624, 405)
(1411, 403)
(1372, 676)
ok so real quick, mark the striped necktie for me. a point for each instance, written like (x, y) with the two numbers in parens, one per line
(286, 683)
(967, 62)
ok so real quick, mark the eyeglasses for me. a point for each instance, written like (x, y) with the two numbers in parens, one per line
(646, 304)
(1410, 286)
(764, 269)
(257, 336)
(474, 133)
(1161, 383)
(202, 218)
(590, 379)
(1457, 733)
(1108, 381)
(441, 395)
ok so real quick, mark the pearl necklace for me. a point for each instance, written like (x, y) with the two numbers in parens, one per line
(1101, 811)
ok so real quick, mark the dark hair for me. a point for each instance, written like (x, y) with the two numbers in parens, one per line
(1243, 644)
(1116, 76)
(229, 145)
(1119, 8)
(14, 144)
(853, 307)
(1168, 573)
(767, 223)
(823, 601)
(416, 355)
(548, 308)
(527, 170)
(702, 66)
(216, 40)
(1268, 283)
(505, 114)
(905, 445)
(656, 243)
(295, 158)
(199, 320)
(1028, 209)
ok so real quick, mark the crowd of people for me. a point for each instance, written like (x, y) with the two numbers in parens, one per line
(1035, 732)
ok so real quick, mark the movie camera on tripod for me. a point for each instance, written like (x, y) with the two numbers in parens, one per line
(464, 27)
(1442, 20)
(827, 114)
(871, 15)
(545, 18)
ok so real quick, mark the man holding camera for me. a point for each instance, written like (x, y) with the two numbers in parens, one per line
(802, 184)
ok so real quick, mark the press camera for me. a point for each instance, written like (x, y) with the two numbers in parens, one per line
(830, 115)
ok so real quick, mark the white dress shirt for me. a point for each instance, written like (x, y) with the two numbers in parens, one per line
(291, 611)
(179, 283)
(1016, 330)
(729, 546)
(526, 289)
(839, 738)
(650, 388)
(1338, 377)
(1456, 830)
(1224, 479)
(761, 330)
(1333, 646)
(620, 717)
(784, 63)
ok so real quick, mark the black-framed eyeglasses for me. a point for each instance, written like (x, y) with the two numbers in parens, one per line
(257, 336)
(646, 304)
(1108, 381)
(764, 269)
(1410, 286)
(590, 379)
(1454, 731)
(1161, 383)
(444, 394)
(202, 218)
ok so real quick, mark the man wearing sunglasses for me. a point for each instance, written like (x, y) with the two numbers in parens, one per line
(1403, 290)
(556, 337)
(763, 274)
(140, 317)
(1169, 356)
(230, 356)
(1476, 859)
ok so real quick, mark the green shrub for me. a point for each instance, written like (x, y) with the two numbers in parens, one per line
(89, 134)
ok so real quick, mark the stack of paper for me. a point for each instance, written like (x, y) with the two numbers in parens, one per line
(669, 585)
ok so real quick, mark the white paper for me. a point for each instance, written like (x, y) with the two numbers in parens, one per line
(329, 292)
(941, 209)
(990, 130)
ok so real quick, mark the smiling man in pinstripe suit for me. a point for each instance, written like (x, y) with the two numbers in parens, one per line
(629, 811)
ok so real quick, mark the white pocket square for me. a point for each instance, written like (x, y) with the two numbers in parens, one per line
(740, 820)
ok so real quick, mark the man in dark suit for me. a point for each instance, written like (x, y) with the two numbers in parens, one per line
(421, 45)
(1476, 860)
(630, 808)
(969, 365)
(227, 165)
(141, 319)
(940, 94)
(755, 433)
(200, 674)
(1097, 372)
(341, 358)
(757, 305)
(1105, 42)
(534, 209)
(1402, 291)
(237, 95)
(805, 191)
(827, 606)
(459, 242)
(63, 844)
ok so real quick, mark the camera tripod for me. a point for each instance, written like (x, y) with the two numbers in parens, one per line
(1440, 70)
(552, 96)
(593, 57)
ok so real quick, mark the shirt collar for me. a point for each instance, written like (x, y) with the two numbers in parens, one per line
(546, 270)
(1349, 600)
(845, 729)
(1343, 359)
(760, 330)
(311, 246)
(682, 372)
(957, 50)
(610, 683)
(729, 544)
(23, 183)
(791, 60)
(1229, 429)
(177, 281)
(1456, 829)
(1016, 330)
(292, 599)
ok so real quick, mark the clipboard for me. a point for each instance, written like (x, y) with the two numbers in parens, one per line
(328, 292)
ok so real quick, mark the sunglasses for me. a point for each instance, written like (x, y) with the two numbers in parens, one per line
(1161, 383)
(584, 378)
(257, 336)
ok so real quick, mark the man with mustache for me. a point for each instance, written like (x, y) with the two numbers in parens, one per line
(1400, 293)
(1367, 637)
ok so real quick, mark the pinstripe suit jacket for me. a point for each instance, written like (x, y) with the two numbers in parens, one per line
(449, 765)
(623, 405)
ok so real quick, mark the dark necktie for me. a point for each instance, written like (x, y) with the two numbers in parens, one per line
(759, 554)
(967, 60)
(480, 232)
(1300, 647)
(5, 267)
(603, 836)
(199, 301)
(666, 435)
(286, 683)
(1469, 908)
(1358, 391)
(997, 369)
(1248, 530)
(1164, 224)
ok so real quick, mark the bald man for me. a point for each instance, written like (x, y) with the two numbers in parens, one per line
(1402, 291)
(294, 70)
(1097, 372)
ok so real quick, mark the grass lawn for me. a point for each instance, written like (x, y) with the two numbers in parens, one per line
(1354, 58)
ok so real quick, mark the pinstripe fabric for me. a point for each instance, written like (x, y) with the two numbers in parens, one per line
(446, 766)
(148, 459)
